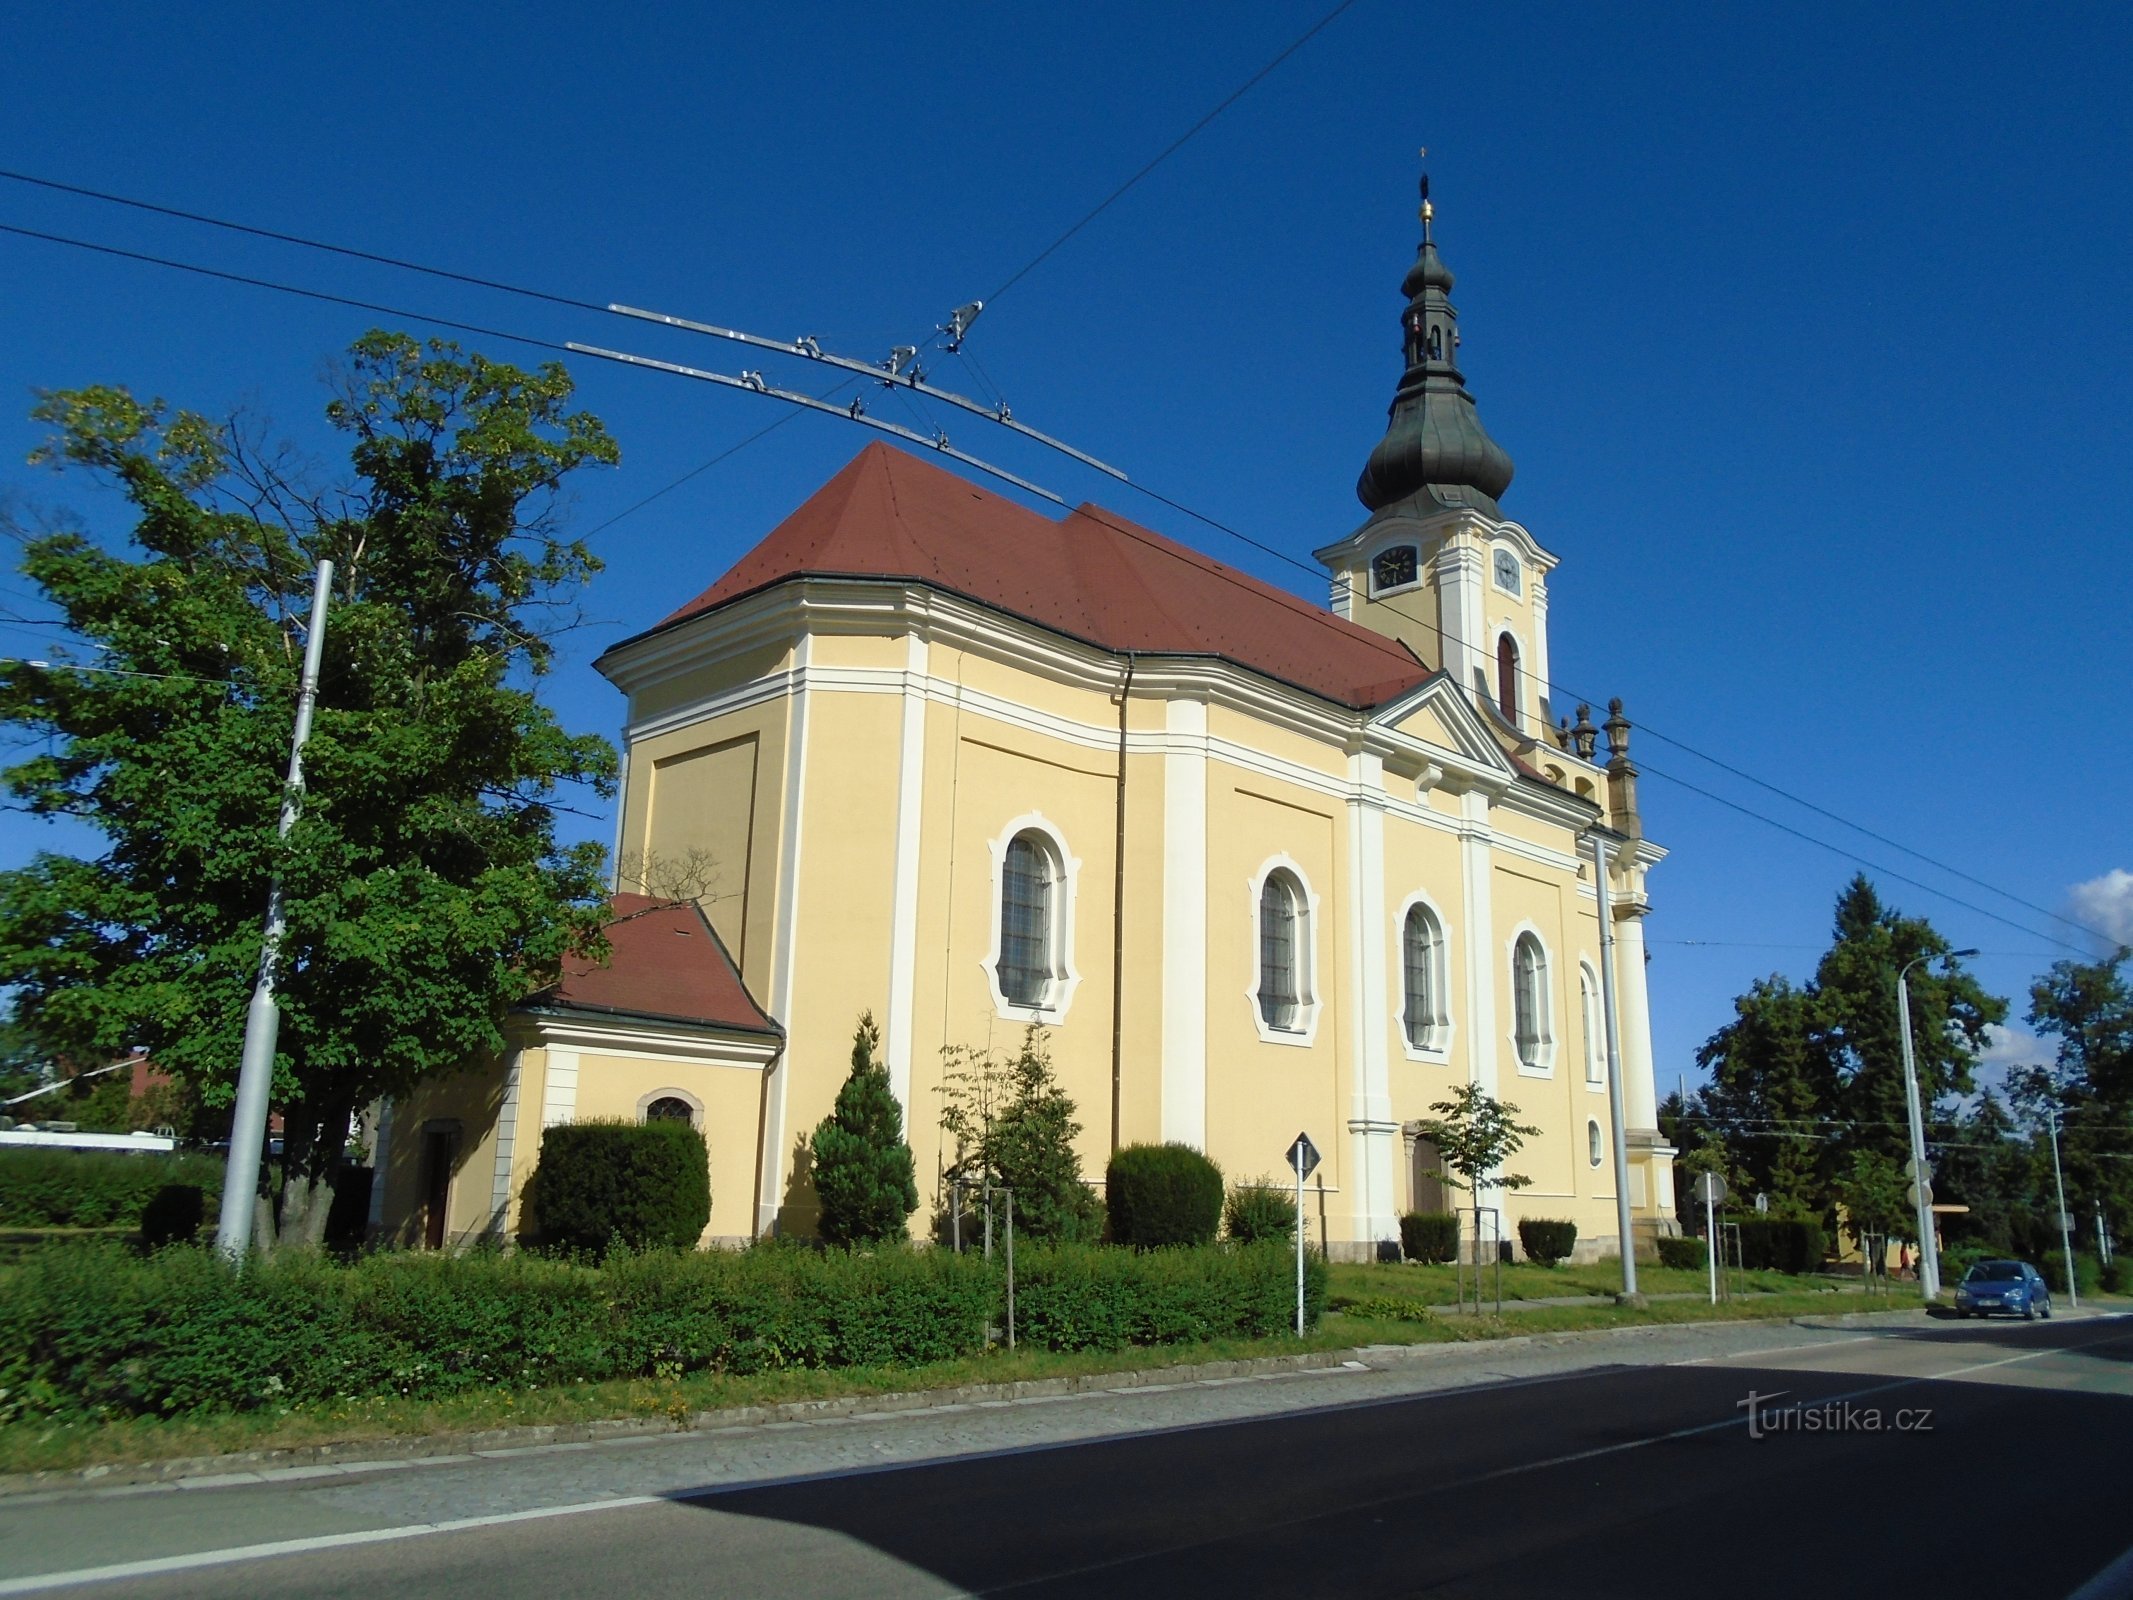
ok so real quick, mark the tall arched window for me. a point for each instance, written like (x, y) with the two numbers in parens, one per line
(1280, 918)
(1028, 933)
(1592, 1141)
(1529, 999)
(1595, 1044)
(1422, 966)
(1507, 678)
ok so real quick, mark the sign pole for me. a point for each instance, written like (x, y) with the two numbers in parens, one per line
(1299, 1241)
(1710, 1234)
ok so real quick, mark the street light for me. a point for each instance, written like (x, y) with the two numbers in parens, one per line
(1928, 1249)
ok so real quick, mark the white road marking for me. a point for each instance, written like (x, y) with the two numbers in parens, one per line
(43, 1582)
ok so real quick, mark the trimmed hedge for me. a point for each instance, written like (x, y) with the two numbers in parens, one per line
(1782, 1244)
(1682, 1251)
(94, 1188)
(644, 1185)
(1547, 1240)
(1431, 1236)
(1159, 1195)
(1260, 1211)
(1075, 1297)
(2088, 1273)
(100, 1331)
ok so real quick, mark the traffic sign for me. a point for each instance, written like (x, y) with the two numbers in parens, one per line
(2066, 1222)
(1710, 1188)
(1911, 1169)
(1762, 1205)
(1303, 1156)
(1911, 1194)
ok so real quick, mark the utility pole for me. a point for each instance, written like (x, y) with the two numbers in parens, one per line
(2066, 1237)
(1614, 1069)
(1921, 1173)
(262, 1019)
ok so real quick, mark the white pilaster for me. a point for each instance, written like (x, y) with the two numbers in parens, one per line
(1543, 702)
(1185, 922)
(506, 1145)
(559, 1099)
(903, 916)
(1475, 872)
(1372, 1134)
(787, 945)
(1461, 620)
(1640, 1099)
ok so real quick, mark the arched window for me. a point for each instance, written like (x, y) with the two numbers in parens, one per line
(1595, 1043)
(1529, 1000)
(1422, 967)
(1029, 879)
(670, 1108)
(1280, 945)
(1592, 1141)
(1436, 344)
(1507, 678)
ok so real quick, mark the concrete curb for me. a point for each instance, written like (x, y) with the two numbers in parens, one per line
(383, 1454)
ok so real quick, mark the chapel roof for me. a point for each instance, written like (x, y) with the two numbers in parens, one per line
(1090, 574)
(666, 962)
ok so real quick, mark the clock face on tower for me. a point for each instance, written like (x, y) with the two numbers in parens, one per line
(1507, 571)
(1394, 568)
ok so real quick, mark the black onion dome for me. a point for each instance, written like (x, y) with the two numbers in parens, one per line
(1435, 446)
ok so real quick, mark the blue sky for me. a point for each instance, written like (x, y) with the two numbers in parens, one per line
(1807, 329)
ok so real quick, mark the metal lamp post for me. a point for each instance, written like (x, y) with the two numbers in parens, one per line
(1921, 1174)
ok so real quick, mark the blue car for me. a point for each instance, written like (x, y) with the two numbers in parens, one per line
(1991, 1286)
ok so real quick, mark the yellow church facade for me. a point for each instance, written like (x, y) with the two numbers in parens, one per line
(1253, 866)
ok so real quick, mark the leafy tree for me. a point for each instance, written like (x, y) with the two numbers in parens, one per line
(1872, 1191)
(1476, 1133)
(1013, 1124)
(863, 1170)
(1770, 1078)
(2088, 1008)
(426, 891)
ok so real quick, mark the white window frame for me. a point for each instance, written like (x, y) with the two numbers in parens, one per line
(1066, 977)
(1437, 1042)
(1543, 1064)
(1305, 1033)
(1594, 1147)
(1594, 1019)
(645, 1103)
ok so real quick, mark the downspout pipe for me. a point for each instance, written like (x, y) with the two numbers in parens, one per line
(1118, 916)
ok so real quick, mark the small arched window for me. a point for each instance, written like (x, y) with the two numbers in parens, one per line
(1422, 966)
(670, 1108)
(1507, 678)
(1436, 344)
(1280, 944)
(1029, 880)
(1529, 1000)
(1592, 1141)
(1589, 1006)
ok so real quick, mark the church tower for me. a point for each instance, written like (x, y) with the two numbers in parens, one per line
(1437, 565)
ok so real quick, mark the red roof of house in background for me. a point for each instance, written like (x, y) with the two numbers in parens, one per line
(1090, 574)
(666, 962)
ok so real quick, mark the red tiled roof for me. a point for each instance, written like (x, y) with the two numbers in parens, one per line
(1090, 574)
(665, 961)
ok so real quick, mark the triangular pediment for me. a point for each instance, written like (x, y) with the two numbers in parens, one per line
(1436, 715)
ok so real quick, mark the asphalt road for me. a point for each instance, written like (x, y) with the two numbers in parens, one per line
(1956, 1458)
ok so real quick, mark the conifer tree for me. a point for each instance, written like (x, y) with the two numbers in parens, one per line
(863, 1169)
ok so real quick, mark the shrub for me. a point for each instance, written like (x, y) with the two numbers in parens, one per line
(1547, 1240)
(1162, 1194)
(1430, 1236)
(1073, 1297)
(173, 1215)
(1959, 1259)
(646, 1185)
(2088, 1272)
(863, 1170)
(94, 1188)
(1260, 1210)
(1682, 1251)
(2112, 1279)
(1781, 1244)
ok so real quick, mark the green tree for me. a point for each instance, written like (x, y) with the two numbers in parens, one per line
(1476, 1133)
(1872, 1192)
(425, 887)
(863, 1170)
(2088, 1008)
(1770, 1077)
(1014, 1124)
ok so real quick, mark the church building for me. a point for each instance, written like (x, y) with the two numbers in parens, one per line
(1254, 867)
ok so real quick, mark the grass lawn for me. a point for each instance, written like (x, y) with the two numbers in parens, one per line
(1438, 1286)
(28, 1446)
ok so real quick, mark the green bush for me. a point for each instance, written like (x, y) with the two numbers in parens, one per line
(645, 1185)
(1159, 1195)
(173, 1215)
(1682, 1251)
(1430, 1236)
(1075, 1297)
(1781, 1244)
(862, 1167)
(94, 1188)
(2112, 1279)
(1960, 1258)
(1260, 1210)
(1547, 1240)
(2088, 1272)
